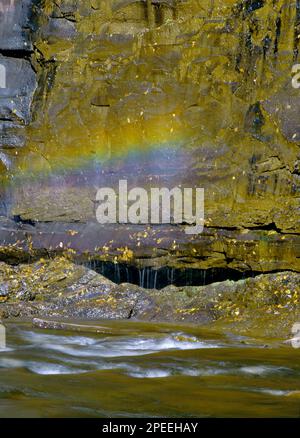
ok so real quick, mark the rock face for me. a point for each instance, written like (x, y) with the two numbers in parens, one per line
(18, 83)
(243, 250)
(161, 93)
(16, 23)
(18, 79)
(16, 101)
(268, 304)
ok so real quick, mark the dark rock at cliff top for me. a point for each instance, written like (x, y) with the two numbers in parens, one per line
(18, 79)
(16, 98)
(15, 25)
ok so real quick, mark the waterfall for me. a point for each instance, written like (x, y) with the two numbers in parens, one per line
(158, 278)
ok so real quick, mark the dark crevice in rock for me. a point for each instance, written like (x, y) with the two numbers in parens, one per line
(267, 41)
(296, 170)
(277, 35)
(254, 120)
(158, 278)
(266, 227)
(253, 5)
(245, 8)
(18, 220)
(131, 313)
(65, 17)
(225, 228)
(18, 54)
(158, 15)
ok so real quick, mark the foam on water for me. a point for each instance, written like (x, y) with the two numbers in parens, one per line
(6, 350)
(275, 392)
(112, 347)
(10, 363)
(150, 374)
(52, 369)
(83, 354)
(262, 370)
(52, 366)
(43, 338)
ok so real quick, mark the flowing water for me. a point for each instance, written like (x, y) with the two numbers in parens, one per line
(145, 370)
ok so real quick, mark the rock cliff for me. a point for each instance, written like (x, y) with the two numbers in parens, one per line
(161, 93)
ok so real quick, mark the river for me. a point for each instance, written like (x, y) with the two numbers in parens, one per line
(146, 370)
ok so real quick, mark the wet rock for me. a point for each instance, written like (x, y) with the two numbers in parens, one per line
(60, 325)
(15, 103)
(16, 98)
(162, 95)
(18, 80)
(3, 293)
(15, 25)
(59, 28)
(267, 304)
(259, 250)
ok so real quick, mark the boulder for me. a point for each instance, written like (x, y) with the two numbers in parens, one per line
(266, 305)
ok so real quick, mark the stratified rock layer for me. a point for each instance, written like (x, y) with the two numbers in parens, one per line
(163, 93)
(268, 304)
(18, 83)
